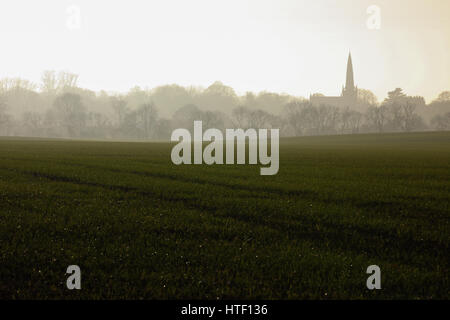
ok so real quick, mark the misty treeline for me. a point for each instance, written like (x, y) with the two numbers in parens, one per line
(57, 107)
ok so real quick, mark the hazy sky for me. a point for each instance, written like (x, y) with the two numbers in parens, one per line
(293, 46)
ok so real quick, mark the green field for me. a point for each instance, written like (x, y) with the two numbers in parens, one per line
(141, 227)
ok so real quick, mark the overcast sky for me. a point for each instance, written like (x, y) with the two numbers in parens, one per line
(293, 46)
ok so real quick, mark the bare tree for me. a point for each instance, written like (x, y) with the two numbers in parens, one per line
(119, 106)
(240, 117)
(34, 121)
(408, 115)
(67, 80)
(441, 122)
(185, 116)
(403, 116)
(49, 82)
(147, 118)
(377, 117)
(295, 113)
(367, 97)
(70, 113)
(443, 97)
(327, 119)
(212, 119)
(258, 119)
(355, 121)
(5, 118)
(345, 120)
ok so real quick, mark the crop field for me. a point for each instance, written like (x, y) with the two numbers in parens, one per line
(141, 227)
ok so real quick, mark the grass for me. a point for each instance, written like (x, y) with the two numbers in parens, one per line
(140, 227)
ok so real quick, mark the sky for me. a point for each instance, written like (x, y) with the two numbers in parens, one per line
(286, 46)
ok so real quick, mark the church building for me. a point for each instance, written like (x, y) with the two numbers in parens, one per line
(349, 95)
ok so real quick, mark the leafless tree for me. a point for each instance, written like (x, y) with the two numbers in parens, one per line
(70, 113)
(441, 122)
(147, 118)
(355, 121)
(119, 106)
(5, 118)
(240, 117)
(377, 117)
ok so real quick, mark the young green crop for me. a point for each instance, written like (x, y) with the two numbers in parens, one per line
(141, 227)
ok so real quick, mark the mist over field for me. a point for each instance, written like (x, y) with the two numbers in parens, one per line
(138, 70)
(57, 107)
(120, 177)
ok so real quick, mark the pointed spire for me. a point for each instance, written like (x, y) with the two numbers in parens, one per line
(349, 83)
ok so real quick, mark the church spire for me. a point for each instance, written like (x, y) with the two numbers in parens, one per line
(349, 83)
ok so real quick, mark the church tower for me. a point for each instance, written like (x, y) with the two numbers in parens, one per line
(350, 92)
(349, 95)
(349, 83)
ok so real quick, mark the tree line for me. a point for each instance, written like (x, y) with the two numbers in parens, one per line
(58, 107)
